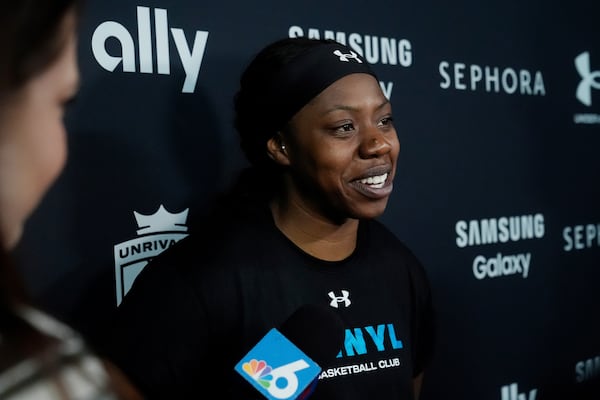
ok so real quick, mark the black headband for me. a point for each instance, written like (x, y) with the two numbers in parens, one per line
(308, 74)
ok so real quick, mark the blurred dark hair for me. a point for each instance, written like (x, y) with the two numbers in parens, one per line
(30, 38)
(12, 290)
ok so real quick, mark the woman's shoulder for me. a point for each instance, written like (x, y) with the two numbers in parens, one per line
(381, 238)
(224, 233)
(380, 234)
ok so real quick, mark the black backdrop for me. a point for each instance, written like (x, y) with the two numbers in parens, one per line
(497, 106)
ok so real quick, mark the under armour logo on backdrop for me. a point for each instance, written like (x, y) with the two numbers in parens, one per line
(343, 299)
(347, 56)
(589, 79)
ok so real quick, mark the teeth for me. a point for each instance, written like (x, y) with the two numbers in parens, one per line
(375, 181)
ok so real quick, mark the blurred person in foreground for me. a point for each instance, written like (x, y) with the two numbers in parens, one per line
(40, 357)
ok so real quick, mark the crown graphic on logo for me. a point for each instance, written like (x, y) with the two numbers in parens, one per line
(161, 221)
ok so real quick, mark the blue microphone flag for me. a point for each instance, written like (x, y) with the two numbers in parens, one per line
(277, 368)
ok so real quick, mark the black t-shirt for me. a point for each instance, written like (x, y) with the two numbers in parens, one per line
(200, 306)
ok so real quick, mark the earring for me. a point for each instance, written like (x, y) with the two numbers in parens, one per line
(282, 147)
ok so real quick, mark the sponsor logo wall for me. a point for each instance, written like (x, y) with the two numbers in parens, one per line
(497, 106)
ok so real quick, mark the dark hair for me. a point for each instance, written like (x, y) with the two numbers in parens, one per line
(30, 38)
(255, 123)
(252, 121)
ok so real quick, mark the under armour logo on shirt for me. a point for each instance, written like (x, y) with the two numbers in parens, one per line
(347, 56)
(343, 299)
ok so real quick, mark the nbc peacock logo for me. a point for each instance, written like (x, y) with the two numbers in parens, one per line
(289, 374)
(156, 233)
(260, 371)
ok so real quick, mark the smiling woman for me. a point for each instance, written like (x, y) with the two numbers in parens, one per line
(299, 227)
(40, 358)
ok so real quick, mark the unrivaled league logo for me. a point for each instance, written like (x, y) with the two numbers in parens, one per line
(157, 232)
(278, 369)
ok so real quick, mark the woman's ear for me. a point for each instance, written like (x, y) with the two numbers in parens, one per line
(277, 150)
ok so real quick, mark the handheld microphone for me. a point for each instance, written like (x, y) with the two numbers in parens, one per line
(284, 364)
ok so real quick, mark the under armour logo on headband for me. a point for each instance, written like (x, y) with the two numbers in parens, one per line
(347, 57)
(306, 75)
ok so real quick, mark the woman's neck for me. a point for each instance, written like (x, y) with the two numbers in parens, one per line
(313, 233)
